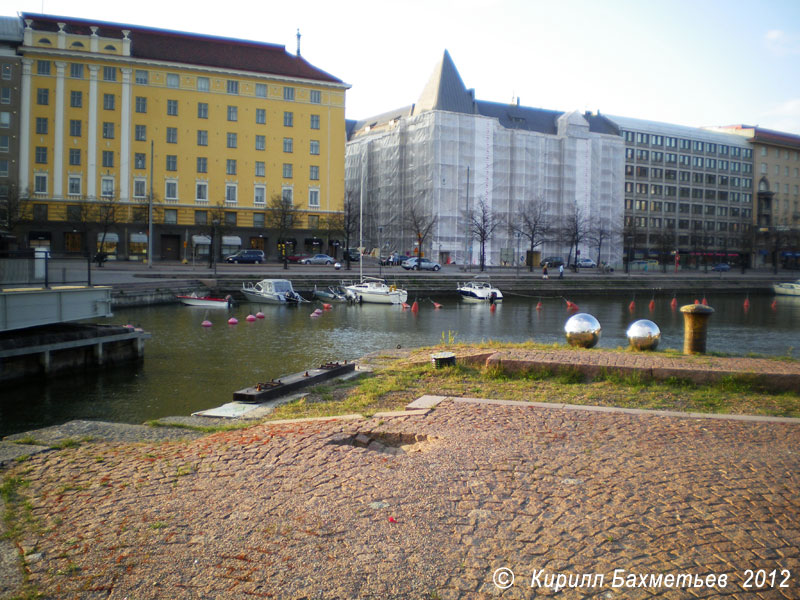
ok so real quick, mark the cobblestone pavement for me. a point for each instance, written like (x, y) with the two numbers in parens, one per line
(424, 506)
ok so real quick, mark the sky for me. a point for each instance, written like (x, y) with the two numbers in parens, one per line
(687, 62)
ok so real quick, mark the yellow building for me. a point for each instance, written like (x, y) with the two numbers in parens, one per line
(215, 130)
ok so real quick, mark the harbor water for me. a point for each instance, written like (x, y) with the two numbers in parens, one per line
(188, 367)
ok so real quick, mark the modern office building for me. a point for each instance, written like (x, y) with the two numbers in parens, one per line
(10, 78)
(210, 129)
(451, 162)
(688, 192)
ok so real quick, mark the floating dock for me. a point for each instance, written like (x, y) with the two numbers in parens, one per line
(275, 388)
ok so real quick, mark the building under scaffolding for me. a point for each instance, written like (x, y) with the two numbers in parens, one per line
(448, 159)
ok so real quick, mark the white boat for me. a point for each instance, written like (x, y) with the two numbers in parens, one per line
(271, 291)
(787, 289)
(376, 291)
(206, 301)
(479, 290)
(331, 294)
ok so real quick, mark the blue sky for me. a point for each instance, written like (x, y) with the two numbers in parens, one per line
(687, 62)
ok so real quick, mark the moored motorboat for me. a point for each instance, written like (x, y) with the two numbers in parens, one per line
(375, 291)
(206, 301)
(479, 290)
(331, 294)
(271, 291)
(791, 288)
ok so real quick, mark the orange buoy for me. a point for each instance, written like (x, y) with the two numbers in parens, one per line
(705, 302)
(746, 304)
(774, 305)
(696, 301)
(404, 305)
(652, 305)
(415, 307)
(539, 305)
(436, 304)
(493, 307)
(632, 306)
(673, 303)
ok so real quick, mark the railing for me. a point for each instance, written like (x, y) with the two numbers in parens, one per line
(39, 268)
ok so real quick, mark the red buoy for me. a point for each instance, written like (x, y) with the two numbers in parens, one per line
(696, 301)
(437, 305)
(415, 307)
(539, 305)
(493, 307)
(652, 305)
(632, 306)
(673, 303)
(774, 305)
(746, 304)
(705, 302)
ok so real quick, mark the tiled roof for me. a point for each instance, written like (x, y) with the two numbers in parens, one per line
(194, 49)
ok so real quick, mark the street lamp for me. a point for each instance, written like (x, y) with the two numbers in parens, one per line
(380, 250)
(517, 256)
(214, 223)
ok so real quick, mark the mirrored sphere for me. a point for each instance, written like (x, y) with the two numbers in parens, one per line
(582, 330)
(644, 335)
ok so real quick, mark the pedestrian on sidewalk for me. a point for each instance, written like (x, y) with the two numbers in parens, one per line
(561, 271)
(544, 271)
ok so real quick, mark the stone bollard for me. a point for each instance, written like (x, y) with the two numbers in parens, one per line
(695, 327)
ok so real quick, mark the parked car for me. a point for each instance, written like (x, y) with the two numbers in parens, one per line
(552, 261)
(353, 254)
(296, 258)
(585, 263)
(246, 256)
(721, 267)
(415, 264)
(318, 259)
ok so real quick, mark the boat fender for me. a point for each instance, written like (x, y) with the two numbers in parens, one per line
(392, 288)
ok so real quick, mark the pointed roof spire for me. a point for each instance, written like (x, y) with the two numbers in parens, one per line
(445, 90)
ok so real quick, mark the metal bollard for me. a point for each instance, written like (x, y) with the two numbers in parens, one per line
(695, 327)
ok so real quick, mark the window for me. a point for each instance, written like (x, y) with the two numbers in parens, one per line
(202, 164)
(107, 187)
(172, 108)
(76, 70)
(202, 110)
(287, 194)
(139, 187)
(108, 101)
(288, 119)
(315, 97)
(172, 135)
(3, 173)
(5, 119)
(315, 123)
(142, 77)
(233, 113)
(4, 144)
(261, 90)
(76, 99)
(201, 217)
(313, 198)
(314, 147)
(230, 166)
(108, 158)
(258, 219)
(261, 142)
(203, 84)
(287, 170)
(43, 96)
(288, 93)
(232, 140)
(108, 130)
(172, 162)
(202, 137)
(74, 157)
(313, 221)
(41, 125)
(201, 191)
(5, 95)
(171, 190)
(230, 218)
(171, 216)
(173, 80)
(642, 138)
(260, 169)
(313, 173)
(233, 86)
(261, 116)
(43, 67)
(141, 104)
(230, 194)
(41, 155)
(139, 160)
(74, 187)
(6, 71)
(288, 144)
(140, 133)
(109, 73)
(40, 187)
(260, 195)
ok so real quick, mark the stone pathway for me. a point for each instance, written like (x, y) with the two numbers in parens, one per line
(424, 505)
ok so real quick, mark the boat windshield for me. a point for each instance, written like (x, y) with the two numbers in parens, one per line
(281, 286)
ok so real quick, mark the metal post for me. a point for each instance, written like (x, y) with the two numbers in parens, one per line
(516, 255)
(89, 271)
(150, 212)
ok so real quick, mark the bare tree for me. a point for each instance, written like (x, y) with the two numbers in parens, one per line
(533, 222)
(420, 224)
(575, 230)
(15, 208)
(482, 224)
(664, 240)
(281, 214)
(350, 222)
(600, 234)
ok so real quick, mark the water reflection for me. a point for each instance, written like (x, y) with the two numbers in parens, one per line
(188, 367)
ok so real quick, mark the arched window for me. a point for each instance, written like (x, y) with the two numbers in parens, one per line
(77, 45)
(45, 41)
(763, 185)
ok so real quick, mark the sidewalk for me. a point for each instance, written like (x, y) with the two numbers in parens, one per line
(421, 504)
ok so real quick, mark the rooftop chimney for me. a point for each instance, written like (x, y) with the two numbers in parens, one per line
(298, 42)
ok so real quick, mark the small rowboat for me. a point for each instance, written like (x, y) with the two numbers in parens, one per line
(206, 301)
